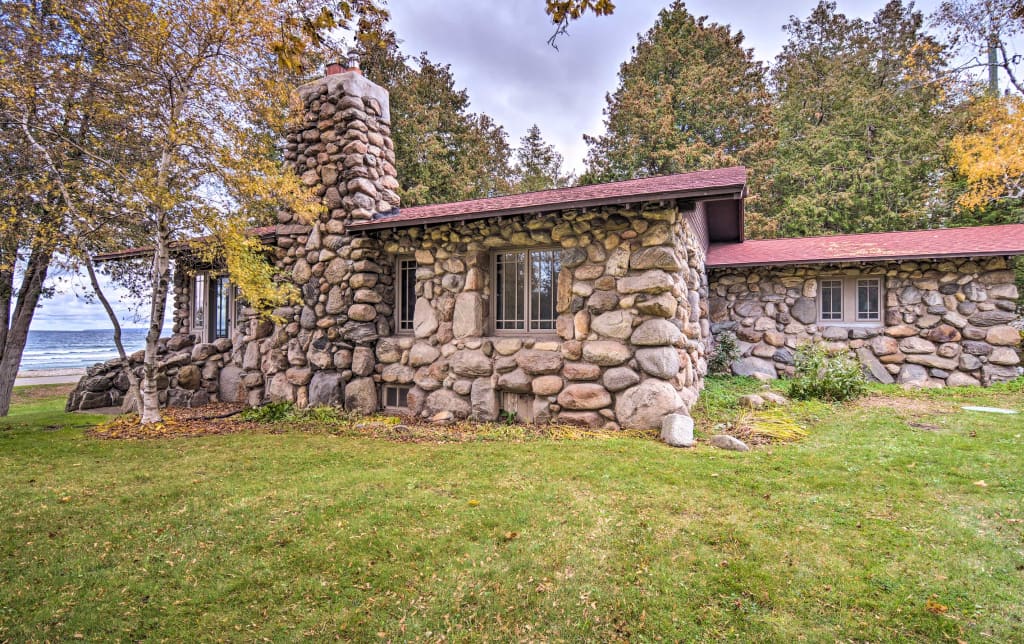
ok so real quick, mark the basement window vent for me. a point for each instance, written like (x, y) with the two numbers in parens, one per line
(518, 406)
(396, 397)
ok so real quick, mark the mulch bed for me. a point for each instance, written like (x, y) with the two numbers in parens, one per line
(223, 418)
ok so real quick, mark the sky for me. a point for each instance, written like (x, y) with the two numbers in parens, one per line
(498, 52)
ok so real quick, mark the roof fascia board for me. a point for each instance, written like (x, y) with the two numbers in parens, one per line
(735, 191)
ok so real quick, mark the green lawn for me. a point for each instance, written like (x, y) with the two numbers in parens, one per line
(846, 535)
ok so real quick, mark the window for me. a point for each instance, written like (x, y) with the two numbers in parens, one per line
(405, 298)
(216, 305)
(220, 308)
(525, 283)
(850, 300)
(868, 299)
(831, 299)
(199, 302)
(396, 397)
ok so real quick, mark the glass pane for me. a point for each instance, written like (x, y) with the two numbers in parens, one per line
(221, 307)
(868, 292)
(406, 293)
(198, 298)
(544, 266)
(510, 282)
(831, 299)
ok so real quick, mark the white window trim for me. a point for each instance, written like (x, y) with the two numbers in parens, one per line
(849, 301)
(527, 312)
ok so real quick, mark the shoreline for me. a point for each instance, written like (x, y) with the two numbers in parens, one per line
(28, 377)
(49, 373)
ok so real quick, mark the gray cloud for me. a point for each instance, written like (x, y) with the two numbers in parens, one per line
(499, 52)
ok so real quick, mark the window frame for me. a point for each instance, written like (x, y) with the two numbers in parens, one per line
(849, 315)
(525, 293)
(207, 331)
(389, 387)
(401, 308)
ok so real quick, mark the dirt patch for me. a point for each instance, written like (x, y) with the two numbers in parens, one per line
(906, 407)
(221, 418)
(208, 420)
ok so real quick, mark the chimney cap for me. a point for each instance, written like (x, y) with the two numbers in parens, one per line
(353, 57)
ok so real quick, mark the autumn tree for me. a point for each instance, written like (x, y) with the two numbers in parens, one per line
(690, 98)
(443, 151)
(55, 129)
(862, 129)
(988, 158)
(538, 165)
(192, 92)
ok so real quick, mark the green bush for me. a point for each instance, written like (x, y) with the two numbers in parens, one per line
(274, 412)
(723, 354)
(824, 376)
(277, 412)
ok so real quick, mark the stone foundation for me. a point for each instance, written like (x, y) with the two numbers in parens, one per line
(945, 322)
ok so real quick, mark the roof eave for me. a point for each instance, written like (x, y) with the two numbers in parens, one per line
(735, 190)
(888, 258)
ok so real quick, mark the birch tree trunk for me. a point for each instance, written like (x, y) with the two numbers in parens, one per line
(161, 270)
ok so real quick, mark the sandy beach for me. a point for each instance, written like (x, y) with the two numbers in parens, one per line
(47, 376)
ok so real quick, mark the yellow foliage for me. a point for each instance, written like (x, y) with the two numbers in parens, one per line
(991, 157)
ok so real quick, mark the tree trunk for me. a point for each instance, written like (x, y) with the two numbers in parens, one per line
(161, 279)
(131, 401)
(17, 335)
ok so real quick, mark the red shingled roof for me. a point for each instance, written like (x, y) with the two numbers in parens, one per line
(690, 184)
(915, 244)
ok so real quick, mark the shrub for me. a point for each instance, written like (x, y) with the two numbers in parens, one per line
(274, 412)
(823, 376)
(724, 353)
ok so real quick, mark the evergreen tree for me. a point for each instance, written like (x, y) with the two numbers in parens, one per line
(862, 121)
(443, 151)
(690, 98)
(538, 164)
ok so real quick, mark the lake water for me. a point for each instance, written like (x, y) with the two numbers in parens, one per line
(76, 349)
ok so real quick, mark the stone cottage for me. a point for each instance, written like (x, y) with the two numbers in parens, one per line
(596, 305)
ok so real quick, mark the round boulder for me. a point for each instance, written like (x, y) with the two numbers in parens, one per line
(646, 405)
(584, 396)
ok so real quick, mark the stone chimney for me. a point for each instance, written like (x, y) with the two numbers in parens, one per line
(324, 353)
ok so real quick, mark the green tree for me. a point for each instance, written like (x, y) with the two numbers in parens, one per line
(863, 123)
(443, 151)
(538, 164)
(690, 98)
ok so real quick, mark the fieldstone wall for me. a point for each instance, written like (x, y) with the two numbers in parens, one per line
(190, 375)
(629, 345)
(945, 322)
(321, 352)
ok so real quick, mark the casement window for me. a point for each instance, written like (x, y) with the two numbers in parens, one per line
(849, 300)
(405, 295)
(395, 397)
(525, 285)
(214, 307)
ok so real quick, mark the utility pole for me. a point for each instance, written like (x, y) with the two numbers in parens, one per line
(993, 66)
